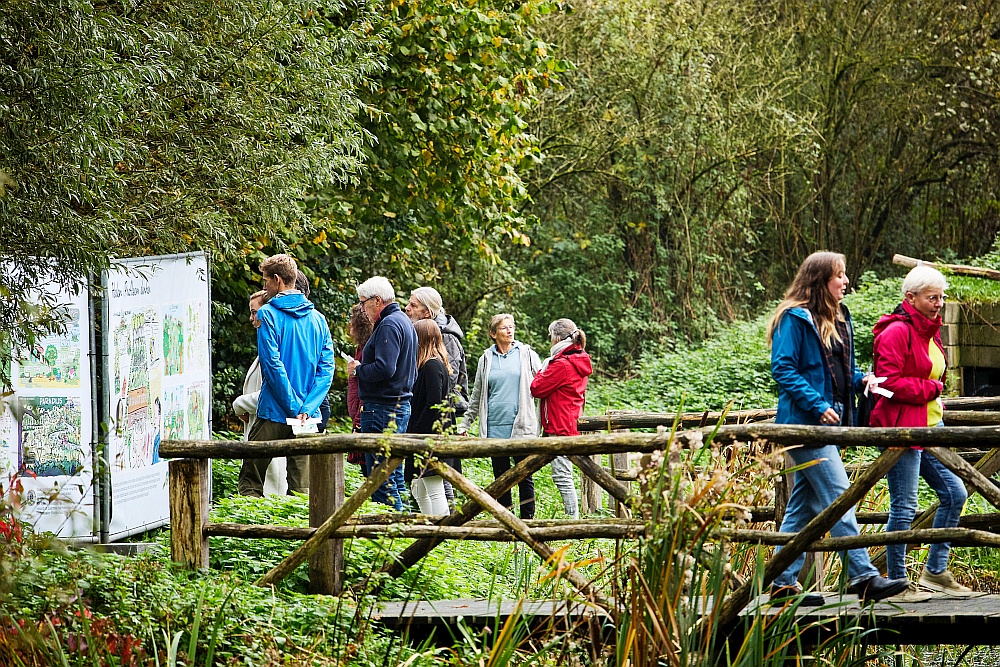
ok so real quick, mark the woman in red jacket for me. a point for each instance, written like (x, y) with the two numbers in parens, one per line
(561, 385)
(910, 356)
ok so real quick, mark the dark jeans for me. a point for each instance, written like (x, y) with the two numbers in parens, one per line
(525, 489)
(253, 471)
(377, 418)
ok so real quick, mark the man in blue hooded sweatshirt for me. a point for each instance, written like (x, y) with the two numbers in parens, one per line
(296, 364)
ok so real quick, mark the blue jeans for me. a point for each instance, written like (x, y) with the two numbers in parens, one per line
(951, 493)
(377, 418)
(815, 489)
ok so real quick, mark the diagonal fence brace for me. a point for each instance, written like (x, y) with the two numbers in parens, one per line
(336, 520)
(518, 528)
(412, 554)
(969, 474)
(812, 531)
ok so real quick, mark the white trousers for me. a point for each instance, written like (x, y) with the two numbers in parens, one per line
(429, 493)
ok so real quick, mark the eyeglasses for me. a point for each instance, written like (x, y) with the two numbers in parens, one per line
(363, 301)
(938, 299)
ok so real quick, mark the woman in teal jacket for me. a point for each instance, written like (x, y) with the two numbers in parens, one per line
(812, 361)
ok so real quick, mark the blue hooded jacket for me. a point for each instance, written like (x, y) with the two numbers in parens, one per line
(797, 365)
(296, 358)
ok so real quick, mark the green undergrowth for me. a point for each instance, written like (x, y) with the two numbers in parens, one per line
(455, 569)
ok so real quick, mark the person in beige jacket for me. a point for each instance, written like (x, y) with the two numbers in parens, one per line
(501, 399)
(245, 406)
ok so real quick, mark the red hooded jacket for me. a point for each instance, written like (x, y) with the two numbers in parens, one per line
(561, 387)
(901, 342)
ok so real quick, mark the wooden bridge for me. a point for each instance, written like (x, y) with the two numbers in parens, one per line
(969, 445)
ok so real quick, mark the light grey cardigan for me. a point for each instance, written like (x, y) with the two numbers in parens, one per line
(526, 422)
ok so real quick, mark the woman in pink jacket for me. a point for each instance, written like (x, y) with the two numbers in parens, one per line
(910, 356)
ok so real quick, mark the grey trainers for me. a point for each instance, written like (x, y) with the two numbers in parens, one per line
(944, 583)
(911, 594)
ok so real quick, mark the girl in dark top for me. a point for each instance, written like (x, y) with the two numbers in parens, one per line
(430, 391)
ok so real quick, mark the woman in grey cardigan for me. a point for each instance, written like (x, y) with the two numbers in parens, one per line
(501, 399)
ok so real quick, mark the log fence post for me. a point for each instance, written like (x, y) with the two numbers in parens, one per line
(326, 496)
(591, 498)
(336, 520)
(189, 489)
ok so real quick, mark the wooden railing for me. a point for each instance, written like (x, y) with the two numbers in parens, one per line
(331, 514)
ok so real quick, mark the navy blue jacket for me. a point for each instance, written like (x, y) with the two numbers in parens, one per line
(797, 366)
(389, 362)
(296, 358)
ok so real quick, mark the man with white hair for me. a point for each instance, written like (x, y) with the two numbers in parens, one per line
(386, 373)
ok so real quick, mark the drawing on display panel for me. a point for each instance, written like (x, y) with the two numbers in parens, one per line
(196, 407)
(8, 438)
(196, 335)
(137, 371)
(50, 436)
(54, 361)
(174, 339)
(174, 413)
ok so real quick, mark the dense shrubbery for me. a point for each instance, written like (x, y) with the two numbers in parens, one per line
(733, 365)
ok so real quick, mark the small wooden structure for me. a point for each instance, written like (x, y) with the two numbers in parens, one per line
(971, 336)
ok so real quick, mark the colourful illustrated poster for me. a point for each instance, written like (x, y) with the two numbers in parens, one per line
(137, 384)
(54, 361)
(196, 411)
(50, 436)
(174, 339)
(174, 413)
(157, 358)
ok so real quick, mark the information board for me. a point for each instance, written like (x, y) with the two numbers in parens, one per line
(156, 379)
(47, 425)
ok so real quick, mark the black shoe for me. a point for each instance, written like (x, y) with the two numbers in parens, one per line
(782, 594)
(878, 588)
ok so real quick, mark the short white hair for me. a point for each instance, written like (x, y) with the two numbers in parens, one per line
(377, 286)
(429, 298)
(923, 277)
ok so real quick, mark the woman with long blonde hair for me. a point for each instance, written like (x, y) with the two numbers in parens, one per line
(430, 394)
(812, 362)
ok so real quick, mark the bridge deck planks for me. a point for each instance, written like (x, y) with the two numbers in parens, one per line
(940, 620)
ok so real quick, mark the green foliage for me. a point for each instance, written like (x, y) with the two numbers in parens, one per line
(732, 365)
(145, 128)
(697, 151)
(440, 194)
(153, 601)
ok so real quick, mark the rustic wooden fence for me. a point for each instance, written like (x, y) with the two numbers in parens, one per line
(332, 515)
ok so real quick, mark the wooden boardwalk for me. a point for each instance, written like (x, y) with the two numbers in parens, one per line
(940, 620)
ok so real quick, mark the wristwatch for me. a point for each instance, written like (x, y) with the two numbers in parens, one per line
(354, 372)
